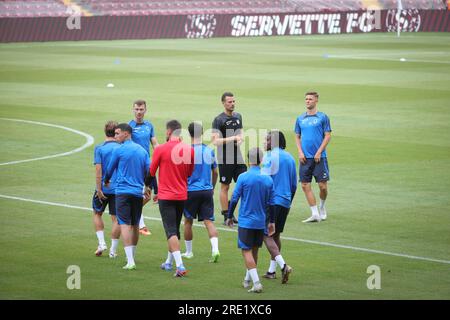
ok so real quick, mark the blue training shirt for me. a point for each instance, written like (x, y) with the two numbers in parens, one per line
(132, 163)
(142, 133)
(312, 130)
(205, 161)
(102, 155)
(256, 193)
(281, 167)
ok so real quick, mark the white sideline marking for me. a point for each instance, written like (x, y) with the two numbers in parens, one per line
(328, 244)
(89, 141)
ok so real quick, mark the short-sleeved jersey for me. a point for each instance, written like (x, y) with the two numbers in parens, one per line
(102, 155)
(312, 130)
(175, 161)
(228, 126)
(256, 193)
(205, 161)
(142, 133)
(131, 162)
(280, 165)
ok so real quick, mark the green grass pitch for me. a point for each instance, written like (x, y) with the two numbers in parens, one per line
(389, 159)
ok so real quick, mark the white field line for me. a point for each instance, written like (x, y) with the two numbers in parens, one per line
(89, 141)
(328, 244)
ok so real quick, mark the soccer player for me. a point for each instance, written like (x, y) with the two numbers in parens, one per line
(131, 162)
(105, 196)
(256, 191)
(175, 161)
(200, 202)
(143, 135)
(227, 135)
(312, 134)
(280, 166)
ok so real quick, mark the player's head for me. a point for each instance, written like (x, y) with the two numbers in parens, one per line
(255, 156)
(173, 128)
(311, 99)
(110, 128)
(228, 101)
(139, 109)
(123, 132)
(275, 139)
(195, 130)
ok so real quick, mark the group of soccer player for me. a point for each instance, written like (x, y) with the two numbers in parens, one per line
(187, 176)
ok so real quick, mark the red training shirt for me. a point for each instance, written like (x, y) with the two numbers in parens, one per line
(175, 161)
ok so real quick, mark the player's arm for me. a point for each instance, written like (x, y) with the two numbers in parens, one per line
(217, 140)
(154, 142)
(112, 165)
(298, 142)
(215, 175)
(322, 147)
(98, 180)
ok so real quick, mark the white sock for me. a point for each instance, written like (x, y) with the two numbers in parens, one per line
(314, 211)
(141, 222)
(254, 275)
(129, 253)
(169, 257)
(247, 276)
(188, 244)
(100, 237)
(114, 244)
(177, 256)
(279, 259)
(214, 244)
(322, 204)
(273, 266)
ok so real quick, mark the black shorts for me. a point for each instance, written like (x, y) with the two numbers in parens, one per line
(228, 172)
(281, 214)
(249, 238)
(128, 209)
(171, 213)
(199, 205)
(311, 168)
(99, 206)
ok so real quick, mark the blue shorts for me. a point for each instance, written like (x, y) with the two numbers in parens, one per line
(199, 205)
(128, 209)
(99, 206)
(250, 238)
(311, 168)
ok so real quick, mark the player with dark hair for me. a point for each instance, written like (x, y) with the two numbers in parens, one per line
(256, 191)
(227, 136)
(175, 161)
(281, 167)
(131, 162)
(201, 184)
(312, 135)
(144, 135)
(105, 196)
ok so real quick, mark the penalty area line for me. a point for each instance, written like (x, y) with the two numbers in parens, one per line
(327, 244)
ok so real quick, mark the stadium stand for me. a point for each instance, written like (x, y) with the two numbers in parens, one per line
(55, 8)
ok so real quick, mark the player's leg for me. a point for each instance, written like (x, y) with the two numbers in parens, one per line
(98, 207)
(123, 214)
(168, 211)
(306, 172)
(188, 236)
(206, 214)
(321, 174)
(191, 207)
(224, 188)
(143, 229)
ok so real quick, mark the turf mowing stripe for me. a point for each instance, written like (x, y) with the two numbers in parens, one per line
(328, 244)
(89, 141)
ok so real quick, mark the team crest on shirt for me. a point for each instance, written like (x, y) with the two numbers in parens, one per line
(223, 179)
